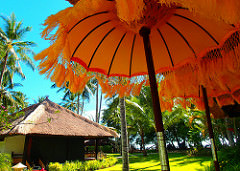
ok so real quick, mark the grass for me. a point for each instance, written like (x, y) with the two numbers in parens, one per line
(178, 162)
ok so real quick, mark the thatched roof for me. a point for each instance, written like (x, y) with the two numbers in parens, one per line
(48, 118)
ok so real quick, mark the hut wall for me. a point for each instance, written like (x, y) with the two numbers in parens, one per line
(2, 145)
(13, 144)
(57, 148)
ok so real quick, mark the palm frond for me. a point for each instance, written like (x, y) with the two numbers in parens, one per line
(22, 32)
(18, 70)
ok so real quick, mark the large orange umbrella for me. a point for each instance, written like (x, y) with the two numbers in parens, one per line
(132, 38)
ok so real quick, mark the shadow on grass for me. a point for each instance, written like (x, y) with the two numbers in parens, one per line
(136, 158)
(143, 168)
(176, 159)
(190, 160)
(140, 158)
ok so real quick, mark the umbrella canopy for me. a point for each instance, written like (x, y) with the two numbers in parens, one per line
(137, 37)
(19, 166)
(177, 37)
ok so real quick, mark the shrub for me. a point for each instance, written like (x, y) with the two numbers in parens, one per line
(92, 165)
(192, 151)
(85, 166)
(111, 160)
(229, 159)
(5, 162)
(72, 166)
(55, 166)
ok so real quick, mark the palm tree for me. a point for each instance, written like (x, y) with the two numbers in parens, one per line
(72, 100)
(124, 135)
(88, 92)
(176, 126)
(20, 99)
(11, 97)
(13, 47)
(115, 116)
(138, 120)
(111, 115)
(40, 99)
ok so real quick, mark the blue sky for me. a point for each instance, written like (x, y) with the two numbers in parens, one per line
(33, 13)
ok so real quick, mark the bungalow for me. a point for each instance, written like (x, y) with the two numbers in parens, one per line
(48, 132)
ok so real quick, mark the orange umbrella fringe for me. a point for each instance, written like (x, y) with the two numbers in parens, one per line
(226, 10)
(130, 10)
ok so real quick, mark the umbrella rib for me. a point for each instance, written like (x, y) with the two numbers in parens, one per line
(228, 88)
(185, 40)
(99, 45)
(115, 53)
(170, 56)
(211, 36)
(89, 34)
(103, 12)
(133, 44)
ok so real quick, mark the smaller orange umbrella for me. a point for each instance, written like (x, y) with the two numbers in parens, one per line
(223, 86)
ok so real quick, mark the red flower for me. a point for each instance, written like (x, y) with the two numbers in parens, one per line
(230, 129)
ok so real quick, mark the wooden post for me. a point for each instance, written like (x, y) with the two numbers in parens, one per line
(210, 130)
(144, 32)
(96, 149)
(27, 149)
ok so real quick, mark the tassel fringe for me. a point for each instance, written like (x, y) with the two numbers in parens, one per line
(226, 10)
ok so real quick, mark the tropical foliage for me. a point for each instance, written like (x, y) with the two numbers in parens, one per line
(5, 162)
(184, 128)
(13, 51)
(76, 101)
(6, 116)
(229, 159)
(13, 48)
(83, 166)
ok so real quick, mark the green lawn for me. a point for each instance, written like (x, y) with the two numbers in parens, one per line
(178, 162)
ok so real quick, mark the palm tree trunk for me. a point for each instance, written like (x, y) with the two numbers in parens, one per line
(229, 134)
(78, 104)
(1, 77)
(4, 67)
(97, 120)
(82, 107)
(125, 150)
(100, 108)
(97, 104)
(210, 129)
(143, 143)
(235, 129)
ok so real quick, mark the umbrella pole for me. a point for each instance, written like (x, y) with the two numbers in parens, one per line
(144, 32)
(210, 130)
